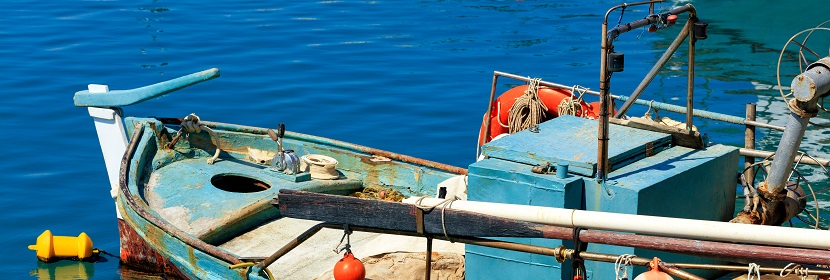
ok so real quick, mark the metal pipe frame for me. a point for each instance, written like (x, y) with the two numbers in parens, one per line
(487, 118)
(561, 253)
(655, 69)
(654, 104)
(767, 154)
(787, 149)
(605, 77)
(749, 143)
(690, 85)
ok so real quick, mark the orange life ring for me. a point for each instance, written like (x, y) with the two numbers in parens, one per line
(551, 97)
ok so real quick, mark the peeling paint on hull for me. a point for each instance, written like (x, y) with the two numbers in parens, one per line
(137, 254)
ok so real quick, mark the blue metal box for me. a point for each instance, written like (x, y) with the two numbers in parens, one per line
(648, 177)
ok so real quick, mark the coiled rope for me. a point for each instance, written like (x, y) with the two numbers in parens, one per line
(571, 106)
(528, 110)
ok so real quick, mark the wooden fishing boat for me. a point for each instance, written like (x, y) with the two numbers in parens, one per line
(207, 200)
(193, 214)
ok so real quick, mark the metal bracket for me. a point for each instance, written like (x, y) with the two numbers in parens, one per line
(419, 221)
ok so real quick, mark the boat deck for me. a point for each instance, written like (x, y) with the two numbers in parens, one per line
(242, 200)
(315, 258)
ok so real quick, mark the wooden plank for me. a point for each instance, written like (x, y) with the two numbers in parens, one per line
(398, 216)
(680, 137)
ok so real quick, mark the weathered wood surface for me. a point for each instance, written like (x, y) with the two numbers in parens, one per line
(398, 216)
(680, 137)
(401, 217)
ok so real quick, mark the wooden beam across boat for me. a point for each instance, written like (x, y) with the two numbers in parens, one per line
(398, 216)
(402, 217)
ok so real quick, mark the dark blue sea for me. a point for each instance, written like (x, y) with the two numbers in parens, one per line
(412, 77)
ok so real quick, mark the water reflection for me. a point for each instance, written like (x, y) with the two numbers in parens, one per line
(64, 269)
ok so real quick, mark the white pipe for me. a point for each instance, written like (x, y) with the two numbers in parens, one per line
(649, 225)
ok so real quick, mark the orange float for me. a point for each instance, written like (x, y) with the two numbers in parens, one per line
(549, 96)
(349, 268)
(654, 272)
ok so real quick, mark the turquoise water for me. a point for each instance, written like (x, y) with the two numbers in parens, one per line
(411, 77)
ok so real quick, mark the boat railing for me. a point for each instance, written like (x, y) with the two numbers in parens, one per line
(749, 121)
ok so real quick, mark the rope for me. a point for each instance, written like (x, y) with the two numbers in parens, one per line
(348, 247)
(572, 107)
(528, 110)
(577, 263)
(321, 167)
(754, 272)
(444, 204)
(621, 264)
(498, 115)
(100, 251)
(797, 269)
(192, 124)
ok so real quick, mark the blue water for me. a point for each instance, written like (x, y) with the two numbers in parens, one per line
(411, 77)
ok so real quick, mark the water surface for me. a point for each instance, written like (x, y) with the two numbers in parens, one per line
(411, 77)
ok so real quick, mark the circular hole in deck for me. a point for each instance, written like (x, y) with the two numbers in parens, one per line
(238, 184)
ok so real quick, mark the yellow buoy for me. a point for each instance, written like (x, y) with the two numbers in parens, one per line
(49, 247)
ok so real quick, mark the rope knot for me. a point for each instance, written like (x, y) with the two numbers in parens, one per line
(191, 123)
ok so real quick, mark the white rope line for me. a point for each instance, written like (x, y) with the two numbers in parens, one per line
(444, 204)
(621, 264)
(192, 124)
(797, 269)
(498, 115)
(754, 272)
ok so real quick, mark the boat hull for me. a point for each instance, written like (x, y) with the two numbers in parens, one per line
(147, 246)
(156, 179)
(137, 254)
